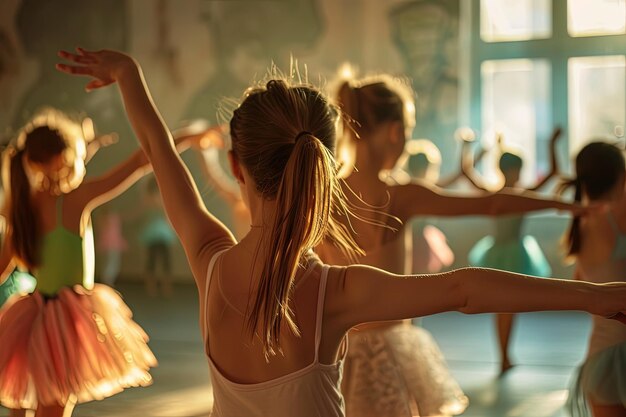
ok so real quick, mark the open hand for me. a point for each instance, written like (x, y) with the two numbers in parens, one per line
(104, 66)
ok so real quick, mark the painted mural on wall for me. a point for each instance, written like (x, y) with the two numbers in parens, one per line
(196, 55)
(427, 34)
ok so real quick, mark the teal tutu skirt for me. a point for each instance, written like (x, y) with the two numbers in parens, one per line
(523, 257)
(601, 379)
(158, 230)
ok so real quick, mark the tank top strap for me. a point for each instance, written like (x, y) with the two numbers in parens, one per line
(320, 310)
(205, 313)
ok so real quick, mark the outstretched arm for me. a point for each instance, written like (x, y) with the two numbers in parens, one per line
(365, 294)
(420, 200)
(554, 163)
(199, 231)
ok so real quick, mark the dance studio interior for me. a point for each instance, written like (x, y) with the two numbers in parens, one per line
(474, 118)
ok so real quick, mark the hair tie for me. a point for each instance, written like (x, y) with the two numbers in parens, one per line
(299, 135)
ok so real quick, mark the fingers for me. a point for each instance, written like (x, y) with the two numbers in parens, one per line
(78, 58)
(74, 69)
(95, 84)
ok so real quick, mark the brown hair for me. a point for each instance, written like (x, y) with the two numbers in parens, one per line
(374, 100)
(49, 134)
(599, 166)
(284, 135)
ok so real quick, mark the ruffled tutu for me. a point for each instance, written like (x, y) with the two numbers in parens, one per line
(524, 257)
(158, 230)
(78, 346)
(601, 379)
(398, 371)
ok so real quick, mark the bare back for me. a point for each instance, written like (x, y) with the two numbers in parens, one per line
(383, 243)
(227, 342)
(602, 258)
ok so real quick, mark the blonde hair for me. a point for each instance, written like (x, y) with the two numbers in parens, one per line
(284, 135)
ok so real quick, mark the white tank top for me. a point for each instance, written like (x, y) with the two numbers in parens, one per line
(313, 391)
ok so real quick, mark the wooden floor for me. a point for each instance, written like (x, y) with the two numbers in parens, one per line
(546, 347)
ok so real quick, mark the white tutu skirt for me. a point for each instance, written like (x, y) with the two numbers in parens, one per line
(77, 346)
(398, 372)
(601, 380)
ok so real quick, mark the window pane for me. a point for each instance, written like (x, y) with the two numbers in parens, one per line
(519, 20)
(516, 103)
(596, 17)
(597, 99)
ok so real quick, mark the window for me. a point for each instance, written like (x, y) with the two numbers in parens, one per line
(537, 64)
(506, 20)
(596, 17)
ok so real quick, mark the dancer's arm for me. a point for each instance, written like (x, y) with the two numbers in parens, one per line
(200, 232)
(97, 191)
(554, 162)
(422, 200)
(210, 141)
(365, 294)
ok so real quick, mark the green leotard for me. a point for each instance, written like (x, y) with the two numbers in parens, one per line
(61, 257)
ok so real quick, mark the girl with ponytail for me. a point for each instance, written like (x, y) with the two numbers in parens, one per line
(380, 116)
(598, 244)
(274, 318)
(70, 340)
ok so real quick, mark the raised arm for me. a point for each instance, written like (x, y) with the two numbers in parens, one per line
(210, 141)
(97, 191)
(421, 200)
(468, 167)
(554, 163)
(466, 159)
(199, 231)
(365, 294)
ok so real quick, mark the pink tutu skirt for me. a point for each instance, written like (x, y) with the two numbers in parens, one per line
(80, 345)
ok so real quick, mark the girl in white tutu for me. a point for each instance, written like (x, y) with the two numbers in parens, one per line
(396, 369)
(598, 243)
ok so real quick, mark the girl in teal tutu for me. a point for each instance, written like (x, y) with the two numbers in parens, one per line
(598, 243)
(507, 248)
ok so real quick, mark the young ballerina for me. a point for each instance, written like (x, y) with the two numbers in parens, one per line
(396, 369)
(507, 248)
(70, 341)
(273, 317)
(598, 243)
